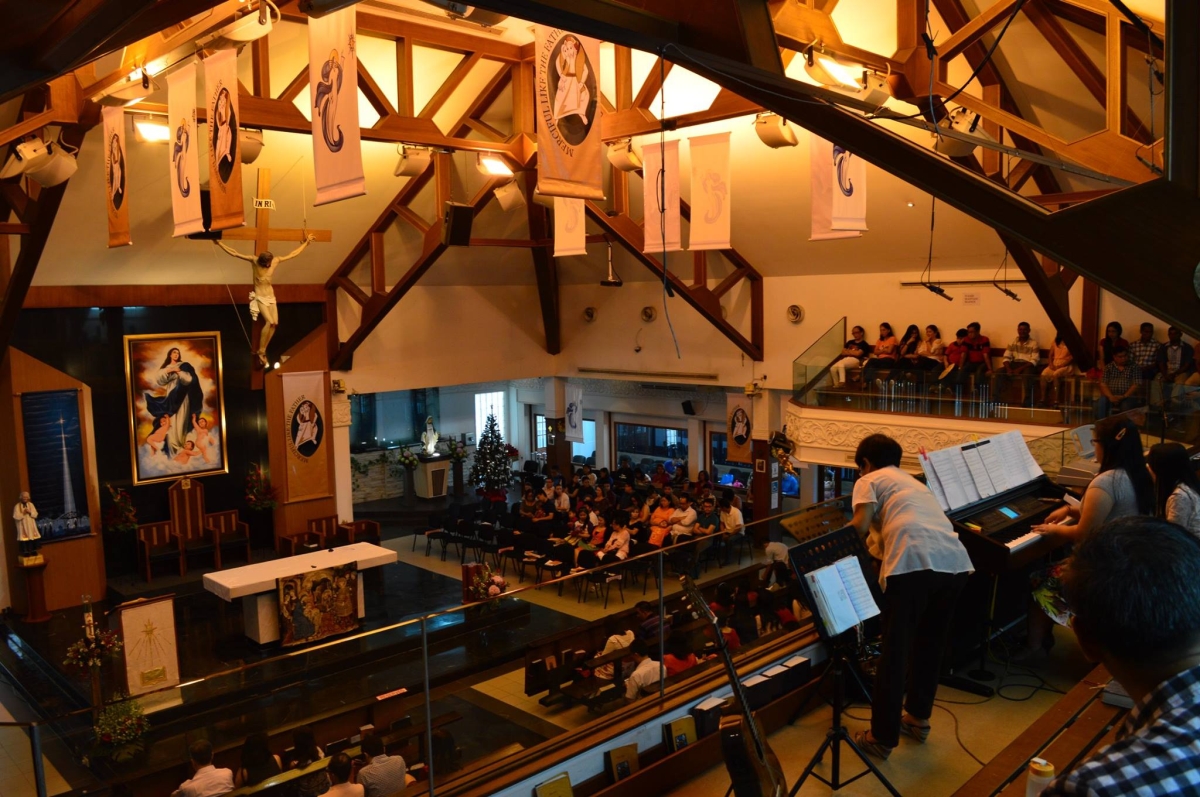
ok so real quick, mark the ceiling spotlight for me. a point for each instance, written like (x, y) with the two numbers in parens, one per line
(966, 125)
(938, 289)
(622, 156)
(46, 163)
(493, 165)
(134, 87)
(151, 129)
(774, 131)
(614, 279)
(242, 30)
(413, 160)
(854, 79)
(509, 196)
(1009, 293)
(250, 142)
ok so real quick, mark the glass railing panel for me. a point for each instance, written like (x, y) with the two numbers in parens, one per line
(811, 368)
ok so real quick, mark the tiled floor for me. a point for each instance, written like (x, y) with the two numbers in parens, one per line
(940, 766)
(16, 761)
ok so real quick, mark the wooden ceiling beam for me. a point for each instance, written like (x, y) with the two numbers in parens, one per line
(545, 268)
(42, 297)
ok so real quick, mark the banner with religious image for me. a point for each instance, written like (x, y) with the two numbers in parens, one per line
(333, 91)
(151, 657)
(738, 428)
(660, 170)
(183, 148)
(570, 232)
(115, 184)
(574, 398)
(838, 191)
(317, 604)
(710, 223)
(567, 88)
(304, 426)
(224, 155)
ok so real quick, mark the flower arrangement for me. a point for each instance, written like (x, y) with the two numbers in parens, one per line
(89, 654)
(512, 452)
(260, 495)
(488, 585)
(407, 459)
(119, 730)
(120, 517)
(457, 450)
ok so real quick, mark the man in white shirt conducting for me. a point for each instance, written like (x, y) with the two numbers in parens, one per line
(922, 567)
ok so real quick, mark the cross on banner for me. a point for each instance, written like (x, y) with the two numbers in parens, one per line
(263, 234)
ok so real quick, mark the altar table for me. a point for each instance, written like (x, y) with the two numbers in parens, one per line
(255, 583)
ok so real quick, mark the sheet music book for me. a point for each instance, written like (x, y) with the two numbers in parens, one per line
(842, 594)
(961, 475)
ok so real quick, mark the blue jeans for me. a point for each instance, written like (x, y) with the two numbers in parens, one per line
(1104, 407)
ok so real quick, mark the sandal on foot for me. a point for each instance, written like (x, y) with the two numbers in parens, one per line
(869, 747)
(918, 732)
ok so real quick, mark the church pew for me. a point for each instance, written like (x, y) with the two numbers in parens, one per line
(1071, 729)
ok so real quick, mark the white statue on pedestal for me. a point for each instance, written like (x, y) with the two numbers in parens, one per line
(429, 438)
(28, 536)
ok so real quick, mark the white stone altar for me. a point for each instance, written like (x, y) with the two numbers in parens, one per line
(255, 583)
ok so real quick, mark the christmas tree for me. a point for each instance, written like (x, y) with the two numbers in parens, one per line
(491, 469)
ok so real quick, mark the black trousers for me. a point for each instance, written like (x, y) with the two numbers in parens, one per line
(917, 609)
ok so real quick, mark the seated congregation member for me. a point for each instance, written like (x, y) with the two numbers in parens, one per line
(617, 640)
(883, 354)
(258, 763)
(562, 501)
(1176, 360)
(1120, 387)
(529, 503)
(678, 657)
(922, 567)
(304, 752)
(1136, 598)
(627, 499)
(649, 622)
(1111, 341)
(646, 672)
(724, 599)
(1143, 352)
(660, 476)
(931, 352)
(660, 521)
(1020, 359)
(1122, 488)
(854, 354)
(1061, 364)
(1176, 488)
(956, 361)
(340, 770)
(733, 498)
(979, 353)
(731, 518)
(703, 482)
(683, 522)
(206, 780)
(382, 775)
(906, 352)
(616, 548)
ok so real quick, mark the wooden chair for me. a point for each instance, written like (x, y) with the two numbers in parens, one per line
(186, 499)
(157, 542)
(297, 541)
(228, 530)
(359, 531)
(325, 529)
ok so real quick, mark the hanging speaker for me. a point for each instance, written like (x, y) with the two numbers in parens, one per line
(689, 408)
(456, 224)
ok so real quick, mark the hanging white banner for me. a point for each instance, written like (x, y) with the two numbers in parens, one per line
(574, 398)
(115, 183)
(660, 170)
(710, 224)
(224, 151)
(567, 88)
(333, 90)
(822, 188)
(183, 148)
(849, 190)
(569, 230)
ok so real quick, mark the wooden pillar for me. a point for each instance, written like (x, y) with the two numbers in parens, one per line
(558, 448)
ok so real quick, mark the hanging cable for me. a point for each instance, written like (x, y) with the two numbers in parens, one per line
(927, 272)
(661, 191)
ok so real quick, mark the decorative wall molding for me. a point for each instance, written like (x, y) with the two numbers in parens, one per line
(827, 437)
(341, 411)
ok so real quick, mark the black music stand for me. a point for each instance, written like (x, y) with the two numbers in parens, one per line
(806, 557)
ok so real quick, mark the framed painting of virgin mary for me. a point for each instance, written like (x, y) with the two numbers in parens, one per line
(176, 406)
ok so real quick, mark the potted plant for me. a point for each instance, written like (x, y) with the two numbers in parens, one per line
(88, 654)
(119, 522)
(260, 495)
(119, 731)
(486, 587)
(407, 458)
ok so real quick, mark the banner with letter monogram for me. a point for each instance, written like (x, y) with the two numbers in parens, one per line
(224, 151)
(115, 182)
(838, 191)
(183, 148)
(567, 88)
(333, 88)
(710, 224)
(569, 228)
(574, 398)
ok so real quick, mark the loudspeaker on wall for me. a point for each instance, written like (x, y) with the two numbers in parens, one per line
(456, 224)
(689, 408)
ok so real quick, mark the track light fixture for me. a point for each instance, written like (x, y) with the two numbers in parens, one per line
(622, 156)
(250, 143)
(413, 160)
(774, 131)
(46, 163)
(614, 279)
(966, 124)
(855, 79)
(938, 289)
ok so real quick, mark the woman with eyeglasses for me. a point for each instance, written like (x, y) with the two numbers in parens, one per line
(1121, 489)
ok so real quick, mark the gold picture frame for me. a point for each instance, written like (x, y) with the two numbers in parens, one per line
(166, 376)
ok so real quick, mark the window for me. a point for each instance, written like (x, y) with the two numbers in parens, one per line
(488, 404)
(539, 432)
(720, 470)
(585, 452)
(646, 447)
(390, 419)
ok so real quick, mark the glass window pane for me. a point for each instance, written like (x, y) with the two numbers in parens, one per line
(539, 431)
(647, 447)
(585, 452)
(720, 470)
(488, 404)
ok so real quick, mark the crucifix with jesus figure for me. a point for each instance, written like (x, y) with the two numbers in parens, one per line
(263, 309)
